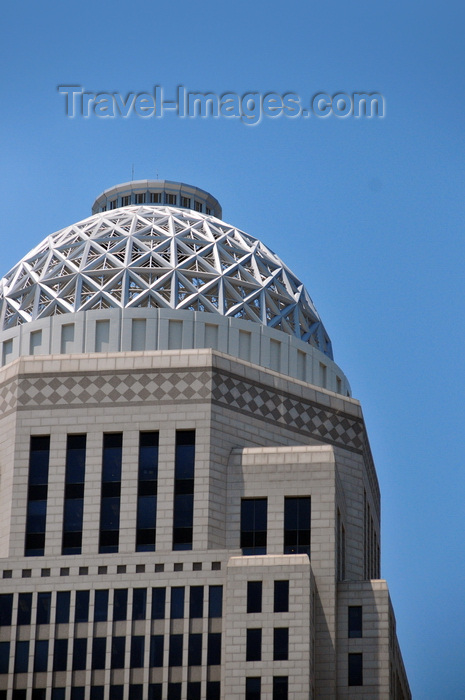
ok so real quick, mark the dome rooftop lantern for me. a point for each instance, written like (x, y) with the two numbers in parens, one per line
(157, 193)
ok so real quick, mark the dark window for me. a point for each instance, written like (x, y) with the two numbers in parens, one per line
(97, 692)
(58, 693)
(116, 692)
(193, 690)
(147, 492)
(99, 648)
(60, 654)
(195, 650)
(252, 688)
(214, 649)
(254, 596)
(158, 603)
(297, 525)
(253, 525)
(136, 691)
(355, 621)
(24, 608)
(79, 654)
(4, 656)
(137, 652)
(186, 202)
(78, 692)
(21, 657)
(155, 197)
(19, 694)
(140, 198)
(155, 691)
(81, 613)
(177, 603)
(280, 688)
(101, 606)
(111, 492)
(40, 655)
(254, 645)
(281, 596)
(6, 607)
(213, 690)
(113, 204)
(208, 210)
(183, 510)
(215, 601)
(175, 651)
(170, 198)
(37, 495)
(120, 604)
(44, 601)
(38, 693)
(356, 669)
(198, 206)
(118, 649)
(126, 201)
(156, 650)
(196, 601)
(139, 603)
(74, 494)
(174, 691)
(280, 644)
(62, 607)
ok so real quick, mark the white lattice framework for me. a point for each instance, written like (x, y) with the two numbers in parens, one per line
(159, 257)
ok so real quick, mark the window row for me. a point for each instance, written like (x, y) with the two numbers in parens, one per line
(254, 517)
(253, 688)
(195, 601)
(253, 650)
(212, 691)
(280, 596)
(157, 198)
(55, 655)
(110, 503)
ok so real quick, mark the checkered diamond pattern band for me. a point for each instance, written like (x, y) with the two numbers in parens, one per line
(279, 407)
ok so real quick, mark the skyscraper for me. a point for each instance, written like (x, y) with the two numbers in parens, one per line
(189, 505)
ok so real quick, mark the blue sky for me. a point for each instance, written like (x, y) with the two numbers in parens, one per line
(368, 212)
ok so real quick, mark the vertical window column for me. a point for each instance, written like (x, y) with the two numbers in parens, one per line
(297, 525)
(183, 511)
(39, 455)
(74, 494)
(111, 492)
(253, 525)
(147, 492)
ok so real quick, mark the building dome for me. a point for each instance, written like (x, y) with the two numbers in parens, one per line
(161, 257)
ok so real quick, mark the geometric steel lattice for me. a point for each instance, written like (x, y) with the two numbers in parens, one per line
(159, 257)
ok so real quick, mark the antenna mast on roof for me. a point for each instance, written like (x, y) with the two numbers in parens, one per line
(132, 178)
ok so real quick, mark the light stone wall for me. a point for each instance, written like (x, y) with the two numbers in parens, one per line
(258, 434)
(165, 329)
(299, 666)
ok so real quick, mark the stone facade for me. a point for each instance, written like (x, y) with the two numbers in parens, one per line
(259, 435)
